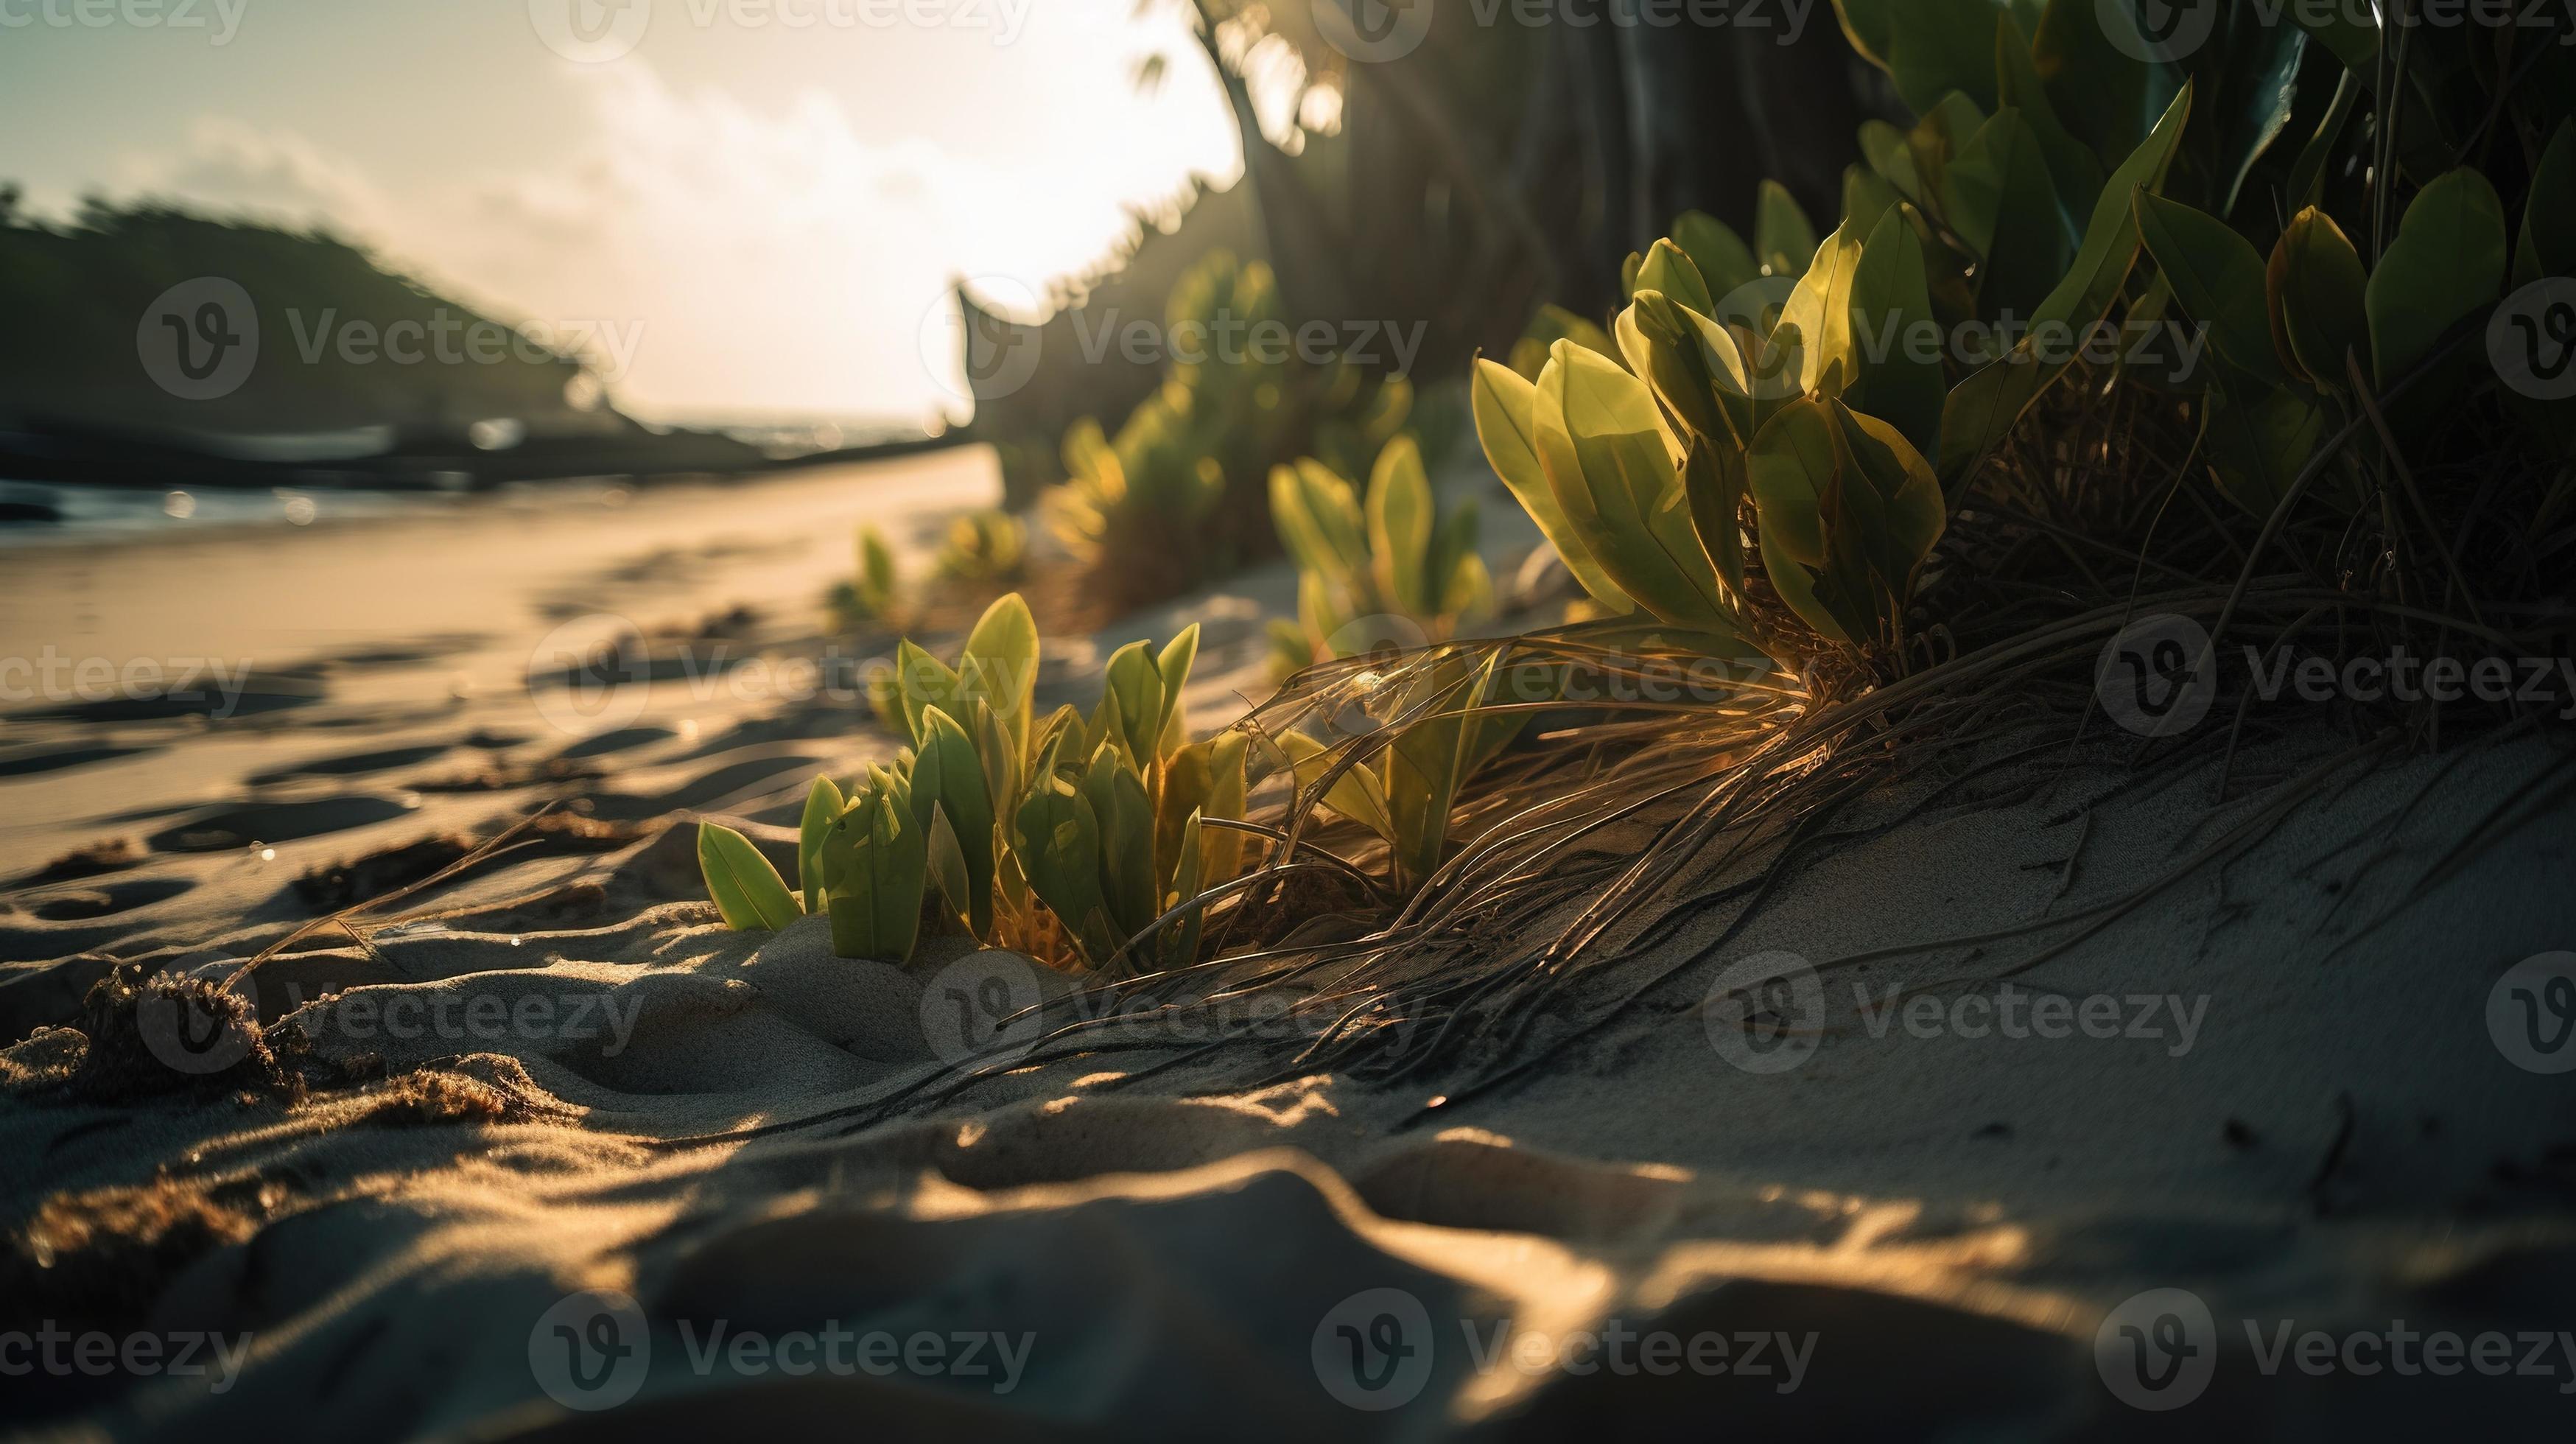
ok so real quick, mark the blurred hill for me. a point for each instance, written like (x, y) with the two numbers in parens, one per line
(77, 297)
(121, 322)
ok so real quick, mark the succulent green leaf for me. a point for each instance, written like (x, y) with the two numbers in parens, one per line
(1866, 197)
(2259, 448)
(1059, 849)
(1000, 666)
(1506, 412)
(1135, 686)
(948, 777)
(1983, 409)
(1692, 365)
(1998, 197)
(949, 873)
(926, 682)
(1790, 468)
(1891, 155)
(1173, 666)
(1713, 479)
(1320, 521)
(1400, 524)
(1358, 793)
(2317, 292)
(1611, 466)
(741, 882)
(1669, 270)
(1720, 256)
(823, 807)
(880, 860)
(1816, 324)
(2217, 277)
(1125, 813)
(1783, 239)
(2447, 261)
(1898, 378)
(1003, 757)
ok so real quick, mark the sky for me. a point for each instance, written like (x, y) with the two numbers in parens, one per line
(764, 214)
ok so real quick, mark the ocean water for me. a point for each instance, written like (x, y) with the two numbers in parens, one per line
(96, 512)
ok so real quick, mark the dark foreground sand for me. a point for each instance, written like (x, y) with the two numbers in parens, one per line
(611, 1171)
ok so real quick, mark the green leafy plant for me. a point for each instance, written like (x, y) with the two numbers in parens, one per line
(1436, 719)
(873, 591)
(1067, 839)
(1172, 496)
(983, 548)
(1752, 457)
(1393, 555)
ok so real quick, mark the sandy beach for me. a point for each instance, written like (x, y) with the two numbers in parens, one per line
(589, 1164)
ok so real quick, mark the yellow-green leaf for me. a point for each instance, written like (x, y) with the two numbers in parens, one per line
(1667, 269)
(2217, 277)
(1720, 256)
(1000, 665)
(1783, 240)
(1506, 412)
(1611, 466)
(2447, 261)
(1400, 523)
(2317, 292)
(823, 807)
(1983, 409)
(741, 882)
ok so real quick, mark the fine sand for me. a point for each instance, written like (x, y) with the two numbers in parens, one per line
(586, 1128)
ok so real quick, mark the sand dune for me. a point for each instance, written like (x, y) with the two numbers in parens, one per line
(569, 1160)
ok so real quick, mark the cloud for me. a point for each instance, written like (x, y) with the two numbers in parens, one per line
(773, 259)
(280, 177)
